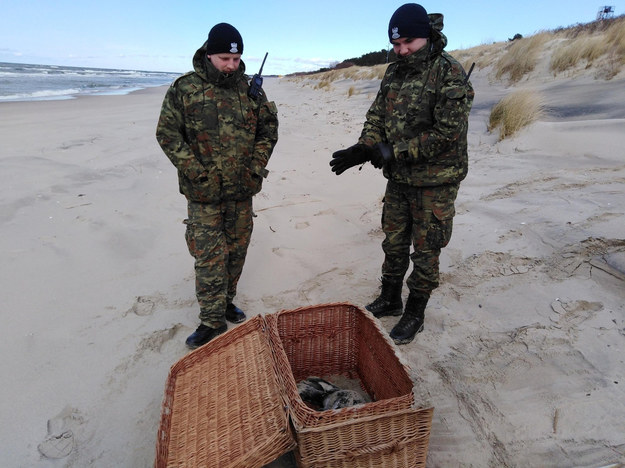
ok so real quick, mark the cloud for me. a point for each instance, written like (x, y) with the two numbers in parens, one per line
(13, 52)
(297, 64)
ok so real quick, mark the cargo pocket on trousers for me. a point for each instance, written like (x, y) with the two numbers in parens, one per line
(441, 225)
(189, 236)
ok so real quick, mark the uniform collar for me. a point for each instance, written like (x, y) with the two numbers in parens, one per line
(419, 58)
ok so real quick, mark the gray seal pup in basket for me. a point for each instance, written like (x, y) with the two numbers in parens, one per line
(314, 390)
(342, 399)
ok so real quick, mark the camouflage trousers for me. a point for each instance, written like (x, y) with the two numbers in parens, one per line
(218, 236)
(421, 217)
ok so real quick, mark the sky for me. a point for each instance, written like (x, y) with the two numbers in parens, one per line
(158, 35)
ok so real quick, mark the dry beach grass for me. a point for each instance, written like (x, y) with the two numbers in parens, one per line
(515, 111)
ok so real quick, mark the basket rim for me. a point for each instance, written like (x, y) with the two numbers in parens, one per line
(365, 419)
(302, 416)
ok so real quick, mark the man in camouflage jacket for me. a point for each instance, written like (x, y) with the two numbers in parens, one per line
(220, 141)
(416, 132)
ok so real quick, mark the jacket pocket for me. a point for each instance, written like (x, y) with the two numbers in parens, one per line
(251, 182)
(205, 191)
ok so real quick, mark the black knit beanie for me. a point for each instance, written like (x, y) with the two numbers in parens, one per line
(409, 20)
(224, 39)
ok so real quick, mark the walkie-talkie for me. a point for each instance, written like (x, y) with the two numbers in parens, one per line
(257, 81)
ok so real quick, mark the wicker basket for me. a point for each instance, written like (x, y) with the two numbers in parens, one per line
(341, 339)
(228, 403)
(223, 406)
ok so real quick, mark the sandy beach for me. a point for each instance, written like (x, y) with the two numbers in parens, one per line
(523, 352)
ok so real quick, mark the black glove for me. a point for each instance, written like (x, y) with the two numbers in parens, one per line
(349, 157)
(381, 155)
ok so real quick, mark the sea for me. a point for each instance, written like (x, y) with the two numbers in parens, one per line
(27, 82)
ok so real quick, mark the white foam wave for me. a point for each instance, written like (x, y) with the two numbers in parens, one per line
(42, 95)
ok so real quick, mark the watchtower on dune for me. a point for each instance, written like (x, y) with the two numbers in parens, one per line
(605, 12)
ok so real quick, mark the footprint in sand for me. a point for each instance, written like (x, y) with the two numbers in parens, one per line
(59, 442)
(143, 306)
(156, 340)
(57, 446)
(570, 314)
(325, 212)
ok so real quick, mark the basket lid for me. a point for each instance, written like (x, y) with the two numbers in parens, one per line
(224, 405)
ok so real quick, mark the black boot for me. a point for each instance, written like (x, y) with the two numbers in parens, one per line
(388, 302)
(203, 335)
(411, 322)
(234, 314)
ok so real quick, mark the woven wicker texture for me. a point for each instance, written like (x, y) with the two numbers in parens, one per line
(337, 339)
(341, 339)
(395, 440)
(223, 406)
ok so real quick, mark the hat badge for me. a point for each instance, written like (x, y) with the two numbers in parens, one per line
(233, 48)
(395, 32)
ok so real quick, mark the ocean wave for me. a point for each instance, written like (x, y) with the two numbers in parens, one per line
(21, 82)
(42, 95)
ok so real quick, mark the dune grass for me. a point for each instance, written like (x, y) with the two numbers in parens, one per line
(375, 72)
(483, 55)
(515, 111)
(324, 84)
(571, 53)
(353, 73)
(324, 80)
(521, 57)
(600, 45)
(615, 38)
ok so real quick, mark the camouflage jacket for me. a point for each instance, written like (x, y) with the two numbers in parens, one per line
(422, 109)
(219, 139)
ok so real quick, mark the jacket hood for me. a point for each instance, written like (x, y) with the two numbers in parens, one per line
(207, 71)
(437, 38)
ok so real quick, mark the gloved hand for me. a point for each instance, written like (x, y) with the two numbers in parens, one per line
(349, 157)
(381, 155)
